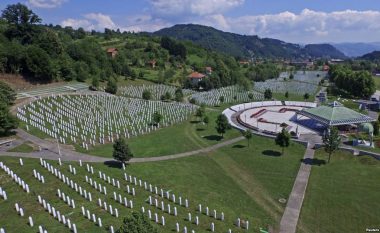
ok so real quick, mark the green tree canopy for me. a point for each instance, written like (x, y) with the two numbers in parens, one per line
(111, 86)
(146, 95)
(268, 94)
(222, 124)
(248, 135)
(157, 117)
(283, 139)
(121, 150)
(136, 223)
(331, 141)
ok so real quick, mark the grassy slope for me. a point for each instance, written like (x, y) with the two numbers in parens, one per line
(23, 148)
(179, 138)
(240, 181)
(342, 196)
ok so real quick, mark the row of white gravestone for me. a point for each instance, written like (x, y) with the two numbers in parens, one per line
(177, 229)
(66, 180)
(57, 215)
(97, 186)
(242, 223)
(134, 180)
(66, 198)
(15, 177)
(90, 169)
(92, 217)
(156, 217)
(88, 123)
(208, 213)
(165, 208)
(3, 194)
(156, 90)
(230, 94)
(115, 182)
(38, 176)
(19, 209)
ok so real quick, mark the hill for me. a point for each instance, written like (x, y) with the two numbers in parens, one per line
(357, 49)
(374, 56)
(246, 46)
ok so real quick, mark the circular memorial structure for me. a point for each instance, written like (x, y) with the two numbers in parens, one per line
(298, 118)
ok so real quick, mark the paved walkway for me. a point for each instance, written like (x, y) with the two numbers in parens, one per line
(292, 211)
(50, 151)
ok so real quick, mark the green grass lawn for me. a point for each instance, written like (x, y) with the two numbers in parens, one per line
(23, 148)
(186, 136)
(342, 196)
(240, 181)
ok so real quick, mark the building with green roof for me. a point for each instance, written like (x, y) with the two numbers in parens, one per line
(335, 114)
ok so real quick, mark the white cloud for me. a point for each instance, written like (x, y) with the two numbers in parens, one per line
(306, 26)
(92, 21)
(46, 3)
(165, 8)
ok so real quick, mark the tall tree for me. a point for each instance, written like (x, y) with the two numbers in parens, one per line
(248, 135)
(121, 150)
(283, 139)
(331, 141)
(136, 223)
(157, 117)
(111, 86)
(146, 95)
(21, 21)
(268, 94)
(222, 124)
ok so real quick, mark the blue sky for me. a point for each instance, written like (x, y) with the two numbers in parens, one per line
(299, 21)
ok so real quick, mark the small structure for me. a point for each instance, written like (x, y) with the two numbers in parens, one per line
(112, 52)
(196, 77)
(243, 62)
(326, 68)
(208, 70)
(322, 96)
(152, 63)
(335, 114)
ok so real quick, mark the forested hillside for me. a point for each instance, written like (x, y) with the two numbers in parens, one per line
(48, 53)
(247, 46)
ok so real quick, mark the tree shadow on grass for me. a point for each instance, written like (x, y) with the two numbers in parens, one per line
(239, 146)
(313, 162)
(271, 153)
(213, 137)
(113, 164)
(201, 129)
(194, 122)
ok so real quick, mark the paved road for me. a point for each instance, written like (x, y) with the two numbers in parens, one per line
(50, 151)
(292, 211)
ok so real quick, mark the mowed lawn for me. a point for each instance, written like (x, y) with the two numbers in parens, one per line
(186, 136)
(342, 196)
(240, 181)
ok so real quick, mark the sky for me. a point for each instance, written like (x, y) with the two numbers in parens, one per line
(297, 21)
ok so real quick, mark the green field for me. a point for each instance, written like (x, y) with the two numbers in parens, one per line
(342, 196)
(240, 181)
(23, 148)
(183, 137)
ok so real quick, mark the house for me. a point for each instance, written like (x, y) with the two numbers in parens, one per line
(208, 70)
(376, 73)
(243, 62)
(152, 63)
(196, 77)
(326, 68)
(112, 52)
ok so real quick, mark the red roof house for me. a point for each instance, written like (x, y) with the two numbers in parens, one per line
(196, 77)
(112, 52)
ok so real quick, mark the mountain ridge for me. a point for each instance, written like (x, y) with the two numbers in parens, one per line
(247, 45)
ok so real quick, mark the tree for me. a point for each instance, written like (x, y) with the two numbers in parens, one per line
(178, 95)
(286, 94)
(283, 139)
(136, 223)
(250, 96)
(291, 76)
(206, 120)
(221, 99)
(146, 95)
(376, 128)
(121, 150)
(38, 63)
(157, 117)
(306, 96)
(248, 135)
(20, 22)
(95, 82)
(7, 94)
(222, 124)
(268, 94)
(168, 96)
(331, 141)
(201, 111)
(111, 86)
